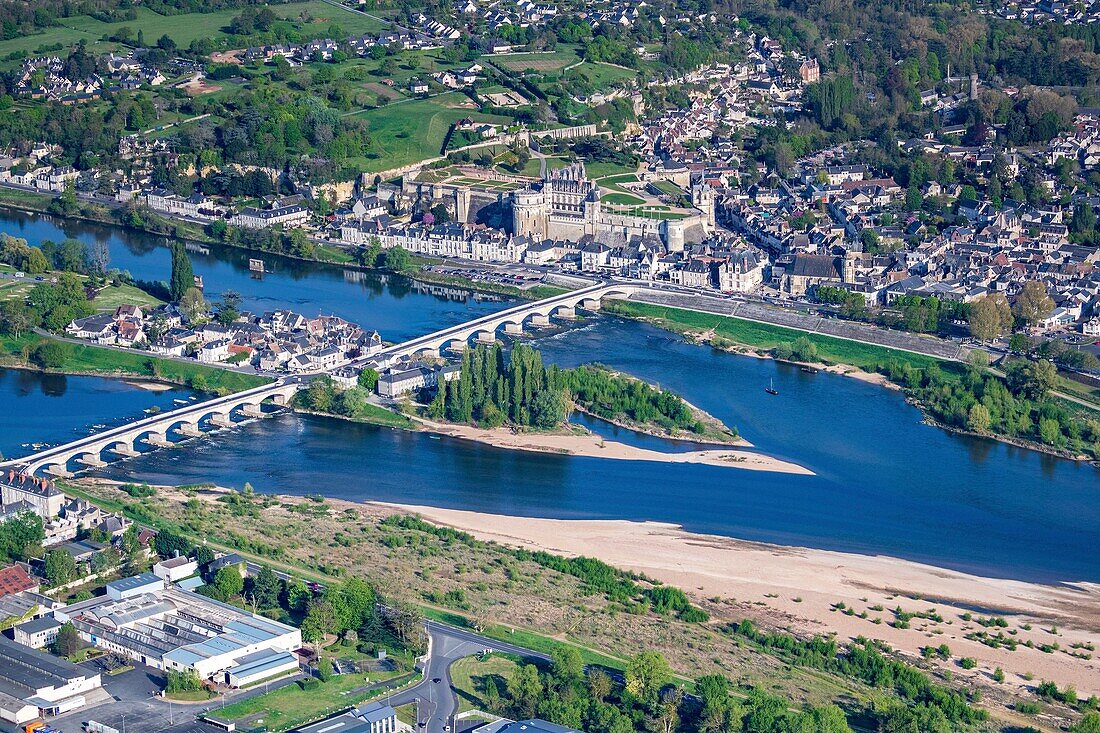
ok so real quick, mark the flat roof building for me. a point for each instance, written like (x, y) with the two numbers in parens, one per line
(33, 682)
(169, 628)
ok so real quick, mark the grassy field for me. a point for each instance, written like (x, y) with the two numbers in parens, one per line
(624, 199)
(468, 678)
(310, 18)
(408, 132)
(598, 169)
(82, 359)
(767, 336)
(538, 62)
(292, 706)
(603, 77)
(107, 299)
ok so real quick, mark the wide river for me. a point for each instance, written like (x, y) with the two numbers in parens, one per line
(886, 483)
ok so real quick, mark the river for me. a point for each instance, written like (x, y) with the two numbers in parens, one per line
(885, 484)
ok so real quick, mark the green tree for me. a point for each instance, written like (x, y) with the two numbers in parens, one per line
(264, 590)
(978, 419)
(68, 641)
(183, 276)
(228, 582)
(646, 673)
(1090, 723)
(60, 568)
(193, 304)
(990, 317)
(368, 379)
(1032, 302)
(398, 259)
(525, 689)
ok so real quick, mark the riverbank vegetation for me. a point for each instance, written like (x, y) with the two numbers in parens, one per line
(644, 638)
(1019, 407)
(495, 388)
(325, 397)
(30, 350)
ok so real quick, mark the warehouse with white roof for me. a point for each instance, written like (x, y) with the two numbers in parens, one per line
(172, 629)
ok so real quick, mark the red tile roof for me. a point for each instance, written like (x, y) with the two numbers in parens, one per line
(14, 579)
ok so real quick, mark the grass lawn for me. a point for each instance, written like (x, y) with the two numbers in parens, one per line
(27, 199)
(310, 18)
(624, 199)
(107, 299)
(292, 706)
(191, 695)
(112, 297)
(408, 132)
(82, 359)
(767, 336)
(468, 676)
(538, 62)
(603, 77)
(598, 169)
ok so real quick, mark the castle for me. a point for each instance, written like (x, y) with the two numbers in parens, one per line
(566, 205)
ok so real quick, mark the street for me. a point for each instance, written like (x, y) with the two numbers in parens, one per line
(132, 706)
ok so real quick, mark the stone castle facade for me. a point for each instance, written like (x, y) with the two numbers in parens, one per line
(566, 205)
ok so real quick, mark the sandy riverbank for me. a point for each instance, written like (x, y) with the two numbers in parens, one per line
(594, 446)
(797, 589)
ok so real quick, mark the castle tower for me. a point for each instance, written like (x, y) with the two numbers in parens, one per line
(529, 214)
(973, 86)
(703, 198)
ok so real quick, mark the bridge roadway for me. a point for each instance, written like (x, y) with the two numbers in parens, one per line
(537, 314)
(154, 429)
(188, 421)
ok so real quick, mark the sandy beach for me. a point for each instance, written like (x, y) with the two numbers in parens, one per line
(799, 589)
(594, 446)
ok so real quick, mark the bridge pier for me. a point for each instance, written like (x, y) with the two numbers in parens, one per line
(91, 460)
(513, 329)
(487, 337)
(252, 411)
(189, 430)
(457, 346)
(221, 420)
(590, 304)
(280, 400)
(540, 321)
(124, 449)
(59, 470)
(158, 440)
(566, 312)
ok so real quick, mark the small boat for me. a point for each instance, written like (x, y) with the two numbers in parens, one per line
(809, 370)
(434, 437)
(180, 402)
(770, 389)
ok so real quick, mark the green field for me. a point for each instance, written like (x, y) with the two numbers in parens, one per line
(767, 336)
(82, 359)
(311, 18)
(468, 677)
(603, 77)
(107, 299)
(545, 63)
(408, 132)
(622, 199)
(292, 706)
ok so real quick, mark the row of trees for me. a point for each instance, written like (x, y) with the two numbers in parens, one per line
(494, 388)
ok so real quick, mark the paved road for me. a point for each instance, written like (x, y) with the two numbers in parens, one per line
(437, 702)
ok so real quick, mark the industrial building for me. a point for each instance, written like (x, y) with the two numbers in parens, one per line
(34, 683)
(168, 628)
